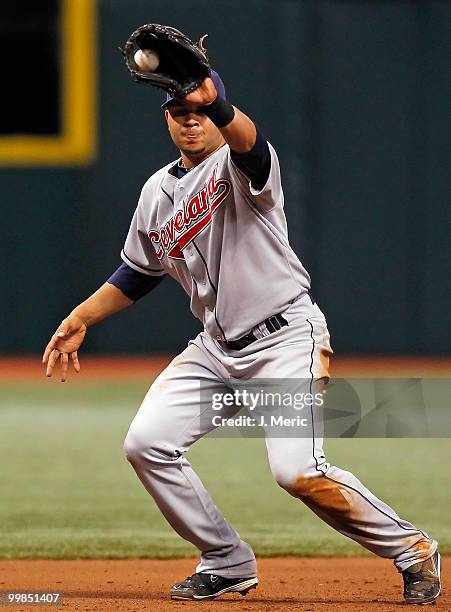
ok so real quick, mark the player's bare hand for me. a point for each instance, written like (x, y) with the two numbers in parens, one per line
(206, 93)
(65, 343)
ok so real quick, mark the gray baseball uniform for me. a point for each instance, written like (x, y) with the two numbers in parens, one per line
(226, 243)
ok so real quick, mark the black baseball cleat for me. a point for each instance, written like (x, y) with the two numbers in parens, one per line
(422, 581)
(210, 586)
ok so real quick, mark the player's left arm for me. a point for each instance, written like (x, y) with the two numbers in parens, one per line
(249, 149)
(238, 129)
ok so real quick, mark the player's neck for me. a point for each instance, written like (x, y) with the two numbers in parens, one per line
(189, 161)
(186, 162)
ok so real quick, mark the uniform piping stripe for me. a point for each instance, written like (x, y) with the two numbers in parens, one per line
(139, 266)
(213, 287)
(167, 194)
(343, 484)
(311, 390)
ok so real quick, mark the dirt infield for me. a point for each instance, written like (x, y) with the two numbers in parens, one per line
(286, 584)
(28, 368)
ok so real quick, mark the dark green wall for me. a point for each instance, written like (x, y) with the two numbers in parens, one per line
(356, 98)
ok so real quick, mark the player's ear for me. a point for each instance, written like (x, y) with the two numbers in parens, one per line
(166, 115)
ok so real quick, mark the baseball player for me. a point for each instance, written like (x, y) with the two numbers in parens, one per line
(214, 221)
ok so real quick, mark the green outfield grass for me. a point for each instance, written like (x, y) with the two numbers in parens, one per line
(67, 491)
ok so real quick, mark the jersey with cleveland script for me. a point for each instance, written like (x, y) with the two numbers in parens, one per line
(225, 242)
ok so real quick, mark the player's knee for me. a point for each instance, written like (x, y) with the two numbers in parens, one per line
(140, 449)
(292, 477)
(134, 449)
(300, 485)
(289, 480)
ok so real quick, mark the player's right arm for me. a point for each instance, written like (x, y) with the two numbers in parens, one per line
(124, 287)
(139, 274)
(69, 335)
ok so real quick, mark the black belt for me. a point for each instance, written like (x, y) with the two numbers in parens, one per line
(272, 324)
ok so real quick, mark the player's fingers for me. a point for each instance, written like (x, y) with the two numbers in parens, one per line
(53, 357)
(64, 366)
(58, 335)
(75, 361)
(46, 354)
(48, 349)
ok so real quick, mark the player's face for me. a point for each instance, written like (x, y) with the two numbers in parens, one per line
(192, 131)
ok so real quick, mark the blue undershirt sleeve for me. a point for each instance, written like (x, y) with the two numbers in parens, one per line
(256, 164)
(134, 285)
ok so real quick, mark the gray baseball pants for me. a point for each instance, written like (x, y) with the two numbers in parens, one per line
(174, 415)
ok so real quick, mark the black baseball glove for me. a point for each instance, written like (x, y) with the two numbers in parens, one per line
(183, 65)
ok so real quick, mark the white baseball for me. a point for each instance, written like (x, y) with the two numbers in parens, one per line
(147, 59)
